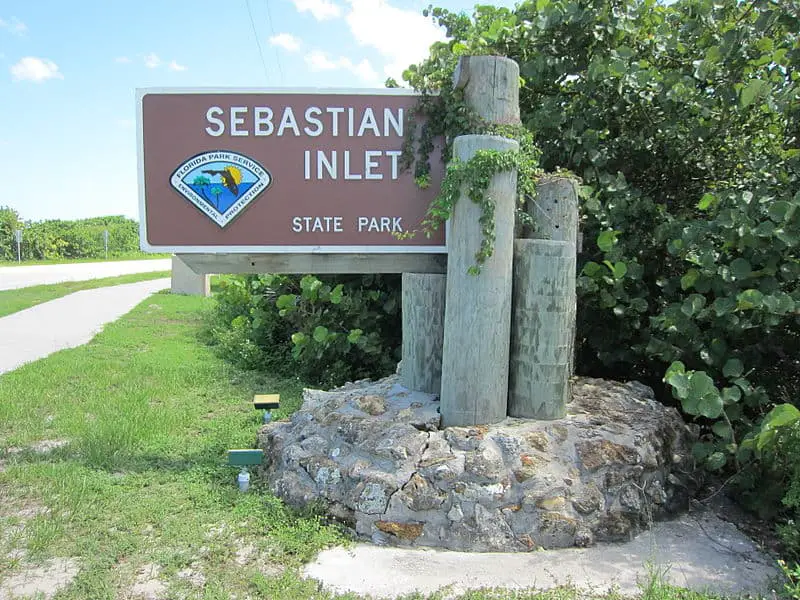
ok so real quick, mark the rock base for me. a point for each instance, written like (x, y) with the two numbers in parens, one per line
(374, 454)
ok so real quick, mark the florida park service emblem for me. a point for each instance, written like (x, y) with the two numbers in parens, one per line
(220, 183)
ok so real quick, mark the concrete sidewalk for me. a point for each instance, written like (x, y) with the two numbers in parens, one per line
(12, 278)
(67, 322)
(698, 551)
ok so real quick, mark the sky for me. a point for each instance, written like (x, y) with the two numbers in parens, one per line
(69, 71)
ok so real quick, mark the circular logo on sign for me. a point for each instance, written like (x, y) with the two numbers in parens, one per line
(220, 183)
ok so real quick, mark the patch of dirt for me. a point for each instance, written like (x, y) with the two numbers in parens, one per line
(192, 574)
(40, 447)
(42, 581)
(245, 554)
(147, 585)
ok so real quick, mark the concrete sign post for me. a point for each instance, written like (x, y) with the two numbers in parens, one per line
(18, 237)
(267, 173)
(105, 241)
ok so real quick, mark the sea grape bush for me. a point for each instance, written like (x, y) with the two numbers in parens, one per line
(327, 330)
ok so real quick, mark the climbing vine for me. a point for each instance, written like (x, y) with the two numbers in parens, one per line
(446, 116)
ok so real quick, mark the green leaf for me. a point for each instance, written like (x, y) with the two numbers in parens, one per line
(724, 305)
(710, 406)
(354, 335)
(679, 383)
(320, 333)
(286, 301)
(336, 294)
(740, 268)
(778, 211)
(731, 395)
(722, 429)
(733, 368)
(706, 201)
(749, 299)
(753, 91)
(592, 269)
(716, 461)
(781, 416)
(693, 305)
(299, 338)
(689, 279)
(606, 240)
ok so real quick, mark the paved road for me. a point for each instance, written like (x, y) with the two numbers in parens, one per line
(12, 278)
(698, 551)
(67, 322)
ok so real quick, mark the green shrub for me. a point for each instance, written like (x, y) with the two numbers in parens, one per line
(792, 586)
(326, 330)
(60, 239)
(777, 445)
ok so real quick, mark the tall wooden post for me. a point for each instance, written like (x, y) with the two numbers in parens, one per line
(423, 331)
(477, 325)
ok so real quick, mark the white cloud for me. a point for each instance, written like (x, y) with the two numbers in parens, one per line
(123, 60)
(35, 69)
(403, 37)
(15, 26)
(321, 9)
(175, 66)
(319, 61)
(286, 41)
(152, 61)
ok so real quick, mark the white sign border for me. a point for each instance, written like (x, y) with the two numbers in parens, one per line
(147, 247)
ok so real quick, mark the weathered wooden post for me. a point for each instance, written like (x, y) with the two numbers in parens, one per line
(544, 304)
(475, 357)
(423, 331)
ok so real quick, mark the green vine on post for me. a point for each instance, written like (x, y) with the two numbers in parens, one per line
(446, 115)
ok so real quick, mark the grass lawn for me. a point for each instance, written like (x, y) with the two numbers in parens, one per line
(112, 460)
(66, 261)
(12, 301)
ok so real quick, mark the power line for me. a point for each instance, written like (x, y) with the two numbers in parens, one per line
(272, 29)
(258, 42)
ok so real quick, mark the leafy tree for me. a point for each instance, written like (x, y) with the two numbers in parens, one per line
(9, 222)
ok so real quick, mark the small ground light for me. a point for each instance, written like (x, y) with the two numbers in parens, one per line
(243, 480)
(244, 458)
(267, 402)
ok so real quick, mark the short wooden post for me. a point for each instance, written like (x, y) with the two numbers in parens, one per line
(554, 210)
(543, 328)
(423, 331)
(477, 325)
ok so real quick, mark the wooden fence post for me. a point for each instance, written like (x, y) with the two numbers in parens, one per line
(423, 331)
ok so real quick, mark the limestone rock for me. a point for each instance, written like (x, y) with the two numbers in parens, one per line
(375, 454)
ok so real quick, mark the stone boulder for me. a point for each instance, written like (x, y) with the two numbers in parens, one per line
(374, 454)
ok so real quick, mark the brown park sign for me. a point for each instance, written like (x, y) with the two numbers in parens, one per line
(280, 171)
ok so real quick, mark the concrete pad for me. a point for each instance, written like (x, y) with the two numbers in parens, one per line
(699, 551)
(12, 278)
(67, 322)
